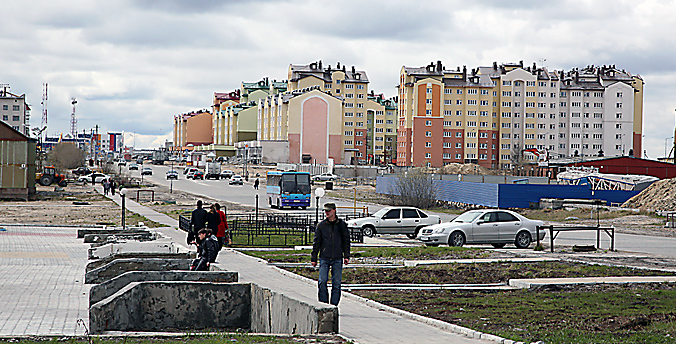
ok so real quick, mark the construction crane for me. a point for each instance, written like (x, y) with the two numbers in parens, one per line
(73, 119)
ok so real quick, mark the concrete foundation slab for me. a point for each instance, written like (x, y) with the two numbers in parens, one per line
(120, 266)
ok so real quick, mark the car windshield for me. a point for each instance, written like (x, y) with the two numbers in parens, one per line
(467, 217)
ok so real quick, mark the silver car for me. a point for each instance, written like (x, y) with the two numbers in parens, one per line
(394, 220)
(487, 226)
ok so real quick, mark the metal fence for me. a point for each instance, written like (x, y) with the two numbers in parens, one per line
(274, 230)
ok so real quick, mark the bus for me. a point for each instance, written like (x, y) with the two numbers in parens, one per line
(288, 189)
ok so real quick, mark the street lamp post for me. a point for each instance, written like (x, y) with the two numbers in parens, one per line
(171, 181)
(319, 193)
(123, 193)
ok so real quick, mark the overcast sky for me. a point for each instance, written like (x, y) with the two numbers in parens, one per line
(133, 65)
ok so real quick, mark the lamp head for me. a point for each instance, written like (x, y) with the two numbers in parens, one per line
(123, 192)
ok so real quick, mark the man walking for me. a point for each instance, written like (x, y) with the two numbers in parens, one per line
(198, 221)
(332, 244)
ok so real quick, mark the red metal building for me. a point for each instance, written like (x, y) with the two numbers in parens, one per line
(631, 165)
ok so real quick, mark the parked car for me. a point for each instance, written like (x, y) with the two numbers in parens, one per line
(81, 171)
(98, 177)
(225, 174)
(189, 169)
(133, 166)
(394, 220)
(147, 171)
(236, 179)
(122, 162)
(172, 174)
(195, 174)
(487, 226)
(325, 177)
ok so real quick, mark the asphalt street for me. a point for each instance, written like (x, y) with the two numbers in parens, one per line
(219, 189)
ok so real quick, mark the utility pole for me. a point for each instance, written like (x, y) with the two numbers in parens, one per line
(43, 124)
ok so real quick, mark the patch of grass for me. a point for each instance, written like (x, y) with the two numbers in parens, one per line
(389, 253)
(607, 314)
(559, 215)
(479, 273)
(133, 219)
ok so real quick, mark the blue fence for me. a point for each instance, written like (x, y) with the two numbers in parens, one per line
(508, 195)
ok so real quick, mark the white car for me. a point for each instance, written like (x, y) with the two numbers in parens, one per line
(236, 179)
(394, 220)
(98, 177)
(497, 227)
(324, 177)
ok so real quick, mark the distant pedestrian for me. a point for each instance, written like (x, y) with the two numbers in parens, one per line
(256, 182)
(198, 220)
(222, 233)
(93, 179)
(106, 187)
(332, 245)
(113, 185)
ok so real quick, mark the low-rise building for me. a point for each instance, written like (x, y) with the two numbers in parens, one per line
(17, 166)
(14, 111)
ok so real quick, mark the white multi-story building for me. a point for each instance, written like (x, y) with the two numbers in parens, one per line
(15, 111)
(493, 114)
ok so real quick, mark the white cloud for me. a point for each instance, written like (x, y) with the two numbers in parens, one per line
(135, 64)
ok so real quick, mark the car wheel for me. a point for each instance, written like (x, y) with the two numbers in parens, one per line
(498, 245)
(456, 239)
(368, 231)
(414, 234)
(522, 240)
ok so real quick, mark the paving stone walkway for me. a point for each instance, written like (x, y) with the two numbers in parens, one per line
(41, 281)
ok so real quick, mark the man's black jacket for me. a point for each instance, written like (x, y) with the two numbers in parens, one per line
(197, 221)
(332, 241)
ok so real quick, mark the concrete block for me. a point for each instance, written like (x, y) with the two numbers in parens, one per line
(125, 255)
(110, 230)
(157, 246)
(163, 306)
(120, 266)
(101, 291)
(273, 312)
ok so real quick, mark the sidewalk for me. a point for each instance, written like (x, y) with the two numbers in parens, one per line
(358, 321)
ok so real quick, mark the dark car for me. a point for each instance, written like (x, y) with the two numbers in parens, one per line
(196, 174)
(227, 174)
(81, 171)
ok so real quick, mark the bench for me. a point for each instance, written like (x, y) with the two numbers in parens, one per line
(610, 231)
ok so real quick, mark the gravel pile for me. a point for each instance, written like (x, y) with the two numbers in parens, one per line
(657, 197)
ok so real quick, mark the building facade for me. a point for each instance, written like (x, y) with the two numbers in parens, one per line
(192, 129)
(500, 115)
(14, 111)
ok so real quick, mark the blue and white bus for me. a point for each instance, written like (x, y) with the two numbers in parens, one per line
(288, 189)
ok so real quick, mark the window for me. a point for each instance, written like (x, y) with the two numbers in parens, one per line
(448, 145)
(360, 87)
(618, 115)
(506, 114)
(428, 134)
(483, 135)
(575, 135)
(359, 143)
(447, 155)
(361, 96)
(348, 124)
(575, 94)
(618, 105)
(575, 125)
(530, 125)
(348, 133)
(506, 135)
(506, 93)
(428, 101)
(618, 126)
(15, 108)
(484, 92)
(349, 114)
(428, 112)
(458, 91)
(507, 104)
(597, 136)
(458, 102)
(349, 95)
(484, 103)
(506, 125)
(448, 123)
(378, 130)
(505, 146)
(348, 142)
(428, 144)
(446, 101)
(458, 134)
(360, 105)
(448, 134)
(598, 125)
(16, 118)
(483, 113)
(542, 84)
(471, 102)
(471, 134)
(448, 113)
(5, 107)
(471, 91)
(458, 145)
(5, 117)
(448, 91)
(598, 115)
(428, 155)
(458, 112)
(458, 123)
(530, 83)
(379, 121)
(471, 113)
(600, 105)
(506, 83)
(471, 124)
(483, 146)
(360, 124)
(517, 104)
(428, 123)
(530, 114)
(349, 105)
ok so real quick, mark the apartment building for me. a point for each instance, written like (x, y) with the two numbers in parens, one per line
(221, 102)
(491, 115)
(327, 113)
(192, 129)
(14, 111)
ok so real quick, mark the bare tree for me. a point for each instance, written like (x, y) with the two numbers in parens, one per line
(414, 188)
(66, 156)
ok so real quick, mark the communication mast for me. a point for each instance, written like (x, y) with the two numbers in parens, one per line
(73, 119)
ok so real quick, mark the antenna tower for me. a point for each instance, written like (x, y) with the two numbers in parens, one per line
(73, 119)
(44, 106)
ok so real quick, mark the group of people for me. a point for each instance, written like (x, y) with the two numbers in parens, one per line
(330, 249)
(108, 186)
(209, 232)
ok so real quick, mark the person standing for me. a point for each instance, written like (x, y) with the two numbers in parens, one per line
(222, 227)
(198, 220)
(213, 220)
(106, 187)
(256, 182)
(112, 186)
(332, 247)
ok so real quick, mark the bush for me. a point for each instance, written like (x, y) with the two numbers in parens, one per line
(414, 188)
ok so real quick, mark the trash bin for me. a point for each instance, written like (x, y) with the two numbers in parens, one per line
(329, 185)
